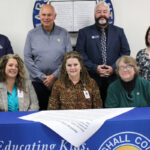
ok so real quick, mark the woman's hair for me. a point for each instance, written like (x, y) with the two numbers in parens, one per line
(146, 37)
(20, 78)
(129, 61)
(63, 76)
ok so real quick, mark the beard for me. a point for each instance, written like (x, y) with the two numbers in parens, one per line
(103, 22)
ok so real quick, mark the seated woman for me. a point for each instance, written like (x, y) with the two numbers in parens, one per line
(129, 90)
(143, 58)
(74, 88)
(16, 93)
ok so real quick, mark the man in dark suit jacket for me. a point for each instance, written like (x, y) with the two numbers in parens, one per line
(5, 46)
(100, 63)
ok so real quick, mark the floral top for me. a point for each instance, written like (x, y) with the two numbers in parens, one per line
(74, 96)
(143, 61)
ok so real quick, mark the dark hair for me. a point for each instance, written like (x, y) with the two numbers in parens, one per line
(63, 76)
(146, 37)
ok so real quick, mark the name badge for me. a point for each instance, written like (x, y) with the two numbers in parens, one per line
(86, 94)
(1, 47)
(95, 36)
(20, 93)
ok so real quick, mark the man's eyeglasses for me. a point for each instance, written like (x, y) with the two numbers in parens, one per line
(122, 68)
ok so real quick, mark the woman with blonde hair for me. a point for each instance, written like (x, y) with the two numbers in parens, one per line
(129, 90)
(16, 93)
(74, 88)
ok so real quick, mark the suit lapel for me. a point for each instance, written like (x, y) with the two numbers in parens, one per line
(96, 36)
(3, 91)
(110, 37)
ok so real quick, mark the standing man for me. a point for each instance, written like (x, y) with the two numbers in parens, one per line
(101, 45)
(43, 53)
(5, 46)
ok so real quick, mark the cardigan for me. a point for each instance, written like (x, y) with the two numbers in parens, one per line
(118, 96)
(27, 102)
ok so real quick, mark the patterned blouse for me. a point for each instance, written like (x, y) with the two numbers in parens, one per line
(74, 96)
(143, 61)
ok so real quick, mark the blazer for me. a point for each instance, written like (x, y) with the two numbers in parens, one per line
(5, 46)
(27, 102)
(88, 45)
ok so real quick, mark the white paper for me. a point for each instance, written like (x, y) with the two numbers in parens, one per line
(75, 126)
(83, 14)
(74, 15)
(64, 11)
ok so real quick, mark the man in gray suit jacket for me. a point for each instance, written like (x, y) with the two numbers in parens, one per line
(101, 45)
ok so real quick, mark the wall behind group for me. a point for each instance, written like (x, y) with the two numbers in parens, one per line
(132, 15)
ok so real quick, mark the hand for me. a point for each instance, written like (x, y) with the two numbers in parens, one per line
(49, 80)
(109, 71)
(104, 70)
(101, 69)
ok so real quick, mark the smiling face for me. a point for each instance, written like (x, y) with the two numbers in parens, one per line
(73, 68)
(47, 17)
(11, 69)
(102, 15)
(126, 72)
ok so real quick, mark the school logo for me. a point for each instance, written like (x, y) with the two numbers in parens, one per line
(39, 3)
(37, 6)
(126, 141)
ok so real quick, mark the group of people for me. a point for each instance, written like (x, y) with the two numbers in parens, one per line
(98, 73)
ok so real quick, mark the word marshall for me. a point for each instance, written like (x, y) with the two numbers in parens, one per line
(126, 140)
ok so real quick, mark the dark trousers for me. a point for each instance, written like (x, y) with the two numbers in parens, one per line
(103, 84)
(43, 94)
(103, 88)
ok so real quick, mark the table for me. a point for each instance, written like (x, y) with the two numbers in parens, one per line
(130, 130)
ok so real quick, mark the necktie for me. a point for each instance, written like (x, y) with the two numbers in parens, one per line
(103, 46)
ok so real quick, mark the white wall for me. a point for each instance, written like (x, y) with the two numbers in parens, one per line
(132, 15)
(16, 21)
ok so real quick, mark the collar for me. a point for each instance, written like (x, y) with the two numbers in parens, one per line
(99, 28)
(47, 32)
(129, 86)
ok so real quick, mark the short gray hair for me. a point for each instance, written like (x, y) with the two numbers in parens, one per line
(102, 3)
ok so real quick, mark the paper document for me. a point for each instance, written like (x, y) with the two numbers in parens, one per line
(75, 126)
(74, 15)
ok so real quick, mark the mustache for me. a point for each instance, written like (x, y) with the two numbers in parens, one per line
(104, 17)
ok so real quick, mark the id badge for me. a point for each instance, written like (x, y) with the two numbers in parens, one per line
(20, 93)
(86, 94)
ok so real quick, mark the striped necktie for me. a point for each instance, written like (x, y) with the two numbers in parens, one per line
(103, 46)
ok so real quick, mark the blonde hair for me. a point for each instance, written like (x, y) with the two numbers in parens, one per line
(129, 60)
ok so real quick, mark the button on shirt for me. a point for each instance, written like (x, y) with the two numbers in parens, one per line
(13, 104)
